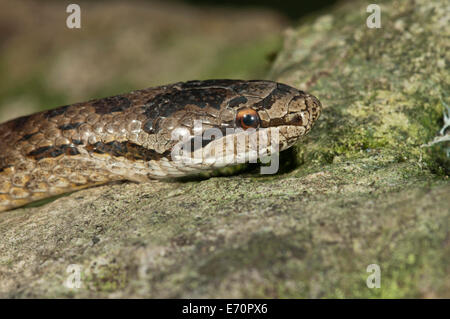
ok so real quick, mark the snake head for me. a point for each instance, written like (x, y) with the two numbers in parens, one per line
(276, 106)
(254, 119)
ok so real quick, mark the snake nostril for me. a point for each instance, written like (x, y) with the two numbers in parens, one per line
(298, 120)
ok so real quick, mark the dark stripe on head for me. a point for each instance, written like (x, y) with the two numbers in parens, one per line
(270, 99)
(209, 83)
(128, 150)
(53, 151)
(111, 104)
(234, 85)
(237, 100)
(284, 87)
(165, 104)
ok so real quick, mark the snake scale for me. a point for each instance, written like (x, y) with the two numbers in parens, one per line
(130, 136)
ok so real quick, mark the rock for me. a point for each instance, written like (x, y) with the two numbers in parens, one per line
(359, 190)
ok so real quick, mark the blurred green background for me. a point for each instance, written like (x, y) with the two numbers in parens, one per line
(126, 45)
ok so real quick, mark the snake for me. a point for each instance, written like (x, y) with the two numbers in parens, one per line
(130, 137)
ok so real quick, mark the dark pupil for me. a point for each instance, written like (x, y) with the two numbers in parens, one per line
(249, 119)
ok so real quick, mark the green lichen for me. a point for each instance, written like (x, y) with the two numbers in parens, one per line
(382, 98)
(106, 278)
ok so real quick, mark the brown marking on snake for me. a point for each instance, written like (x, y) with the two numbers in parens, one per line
(53, 151)
(4, 167)
(165, 104)
(239, 87)
(27, 136)
(130, 151)
(285, 88)
(20, 122)
(270, 99)
(70, 126)
(210, 83)
(149, 127)
(56, 112)
(111, 104)
(77, 142)
(237, 100)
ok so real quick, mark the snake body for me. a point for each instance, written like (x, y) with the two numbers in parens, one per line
(130, 136)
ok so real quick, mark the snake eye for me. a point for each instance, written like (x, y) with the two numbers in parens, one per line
(247, 118)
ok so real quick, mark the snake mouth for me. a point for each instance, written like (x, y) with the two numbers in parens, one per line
(240, 146)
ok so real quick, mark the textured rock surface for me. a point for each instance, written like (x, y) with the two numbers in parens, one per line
(360, 190)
